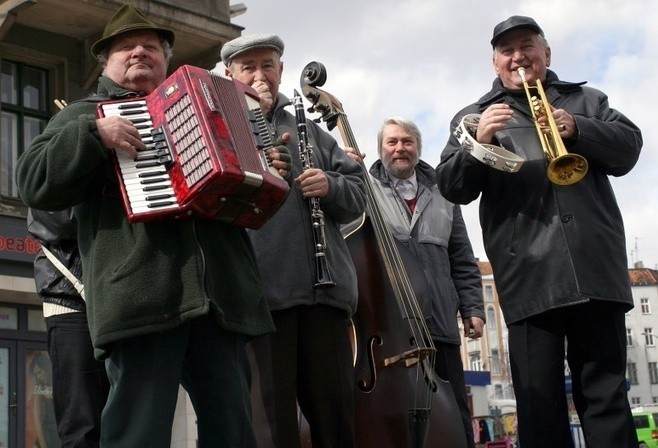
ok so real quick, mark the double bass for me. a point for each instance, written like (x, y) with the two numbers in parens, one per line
(399, 401)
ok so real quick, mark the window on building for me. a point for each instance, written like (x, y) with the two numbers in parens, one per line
(495, 361)
(654, 399)
(476, 361)
(648, 337)
(498, 391)
(653, 372)
(491, 318)
(24, 116)
(644, 305)
(631, 372)
(488, 293)
(629, 337)
(635, 401)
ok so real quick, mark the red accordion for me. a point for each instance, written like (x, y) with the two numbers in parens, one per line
(206, 139)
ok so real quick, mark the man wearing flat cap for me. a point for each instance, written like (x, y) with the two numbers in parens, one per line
(557, 248)
(309, 358)
(169, 301)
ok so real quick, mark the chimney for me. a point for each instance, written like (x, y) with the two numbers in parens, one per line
(638, 265)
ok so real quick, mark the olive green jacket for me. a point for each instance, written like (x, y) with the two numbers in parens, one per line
(146, 277)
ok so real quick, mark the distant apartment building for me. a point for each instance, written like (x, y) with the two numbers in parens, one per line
(642, 337)
(494, 398)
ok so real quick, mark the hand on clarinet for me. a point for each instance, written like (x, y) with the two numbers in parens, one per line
(313, 183)
(279, 156)
(118, 133)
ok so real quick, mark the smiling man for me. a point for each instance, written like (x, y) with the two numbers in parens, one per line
(558, 252)
(435, 233)
(169, 301)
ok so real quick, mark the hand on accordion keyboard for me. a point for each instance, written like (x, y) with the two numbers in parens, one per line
(119, 133)
(279, 157)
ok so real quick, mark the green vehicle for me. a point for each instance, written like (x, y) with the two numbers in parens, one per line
(645, 419)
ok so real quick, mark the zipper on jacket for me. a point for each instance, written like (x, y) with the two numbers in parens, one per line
(203, 262)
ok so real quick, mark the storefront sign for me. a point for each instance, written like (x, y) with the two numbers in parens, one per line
(16, 244)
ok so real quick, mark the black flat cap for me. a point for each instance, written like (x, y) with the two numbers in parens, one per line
(513, 23)
(249, 42)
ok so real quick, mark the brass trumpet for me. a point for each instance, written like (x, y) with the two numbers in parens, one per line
(563, 168)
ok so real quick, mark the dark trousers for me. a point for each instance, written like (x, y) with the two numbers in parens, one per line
(145, 373)
(308, 360)
(448, 366)
(595, 338)
(80, 385)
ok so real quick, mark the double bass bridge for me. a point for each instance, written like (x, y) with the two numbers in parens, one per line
(410, 358)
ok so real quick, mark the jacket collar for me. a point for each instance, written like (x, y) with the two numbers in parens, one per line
(281, 102)
(425, 174)
(110, 88)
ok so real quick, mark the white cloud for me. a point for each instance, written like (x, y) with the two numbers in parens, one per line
(426, 59)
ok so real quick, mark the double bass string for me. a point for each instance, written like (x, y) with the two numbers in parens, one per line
(400, 282)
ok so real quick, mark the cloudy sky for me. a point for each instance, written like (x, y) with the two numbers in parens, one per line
(426, 59)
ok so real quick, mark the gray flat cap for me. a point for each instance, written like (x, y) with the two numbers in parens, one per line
(513, 23)
(249, 42)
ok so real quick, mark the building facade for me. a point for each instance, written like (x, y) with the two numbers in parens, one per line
(495, 402)
(642, 338)
(44, 55)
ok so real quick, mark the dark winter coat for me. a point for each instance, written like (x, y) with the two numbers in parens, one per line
(549, 246)
(57, 232)
(285, 247)
(146, 277)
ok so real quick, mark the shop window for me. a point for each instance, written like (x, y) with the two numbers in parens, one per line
(8, 318)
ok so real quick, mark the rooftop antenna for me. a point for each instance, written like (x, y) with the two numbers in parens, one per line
(637, 262)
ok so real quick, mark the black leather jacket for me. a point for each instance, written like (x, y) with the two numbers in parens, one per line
(549, 246)
(57, 231)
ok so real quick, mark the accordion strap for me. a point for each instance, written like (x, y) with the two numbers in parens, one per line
(72, 278)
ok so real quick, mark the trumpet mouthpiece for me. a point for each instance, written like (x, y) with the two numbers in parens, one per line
(521, 72)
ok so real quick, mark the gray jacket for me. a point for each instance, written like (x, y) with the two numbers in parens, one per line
(549, 246)
(284, 245)
(436, 234)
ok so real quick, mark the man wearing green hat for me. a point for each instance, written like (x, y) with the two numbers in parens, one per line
(170, 301)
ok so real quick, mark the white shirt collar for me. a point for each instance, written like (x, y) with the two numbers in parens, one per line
(405, 191)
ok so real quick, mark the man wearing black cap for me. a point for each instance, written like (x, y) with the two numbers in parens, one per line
(170, 301)
(309, 357)
(558, 251)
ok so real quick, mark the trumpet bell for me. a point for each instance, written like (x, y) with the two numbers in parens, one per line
(567, 169)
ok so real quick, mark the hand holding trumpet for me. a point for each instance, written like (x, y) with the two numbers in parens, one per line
(566, 124)
(496, 116)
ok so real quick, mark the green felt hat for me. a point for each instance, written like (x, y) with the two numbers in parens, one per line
(126, 19)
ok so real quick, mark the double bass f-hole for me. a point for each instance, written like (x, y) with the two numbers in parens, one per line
(399, 402)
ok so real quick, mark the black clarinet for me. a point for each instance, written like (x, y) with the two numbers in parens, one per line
(322, 276)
